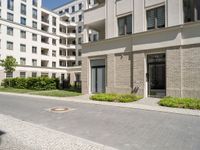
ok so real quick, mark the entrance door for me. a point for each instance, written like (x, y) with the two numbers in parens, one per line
(98, 79)
(156, 75)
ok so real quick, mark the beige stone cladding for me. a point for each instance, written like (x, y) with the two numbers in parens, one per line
(85, 75)
(173, 72)
(119, 73)
(138, 72)
(191, 71)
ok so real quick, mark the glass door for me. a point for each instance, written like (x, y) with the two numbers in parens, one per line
(156, 75)
(98, 79)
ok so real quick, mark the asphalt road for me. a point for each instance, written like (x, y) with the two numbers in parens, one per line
(121, 128)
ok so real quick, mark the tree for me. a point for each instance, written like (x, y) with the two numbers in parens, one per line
(9, 64)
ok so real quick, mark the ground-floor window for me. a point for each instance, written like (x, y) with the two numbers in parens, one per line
(9, 75)
(22, 74)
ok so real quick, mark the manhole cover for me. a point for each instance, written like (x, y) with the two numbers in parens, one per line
(59, 109)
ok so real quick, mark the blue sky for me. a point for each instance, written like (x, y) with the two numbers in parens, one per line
(53, 3)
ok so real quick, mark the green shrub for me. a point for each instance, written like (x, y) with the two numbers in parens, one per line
(123, 98)
(38, 83)
(190, 103)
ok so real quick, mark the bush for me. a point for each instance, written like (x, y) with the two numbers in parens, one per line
(123, 98)
(38, 83)
(190, 103)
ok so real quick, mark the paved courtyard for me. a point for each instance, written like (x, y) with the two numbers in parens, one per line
(120, 128)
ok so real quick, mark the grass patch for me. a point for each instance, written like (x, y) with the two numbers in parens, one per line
(189, 103)
(53, 93)
(56, 93)
(122, 98)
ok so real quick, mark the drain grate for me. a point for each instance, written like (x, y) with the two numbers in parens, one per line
(59, 109)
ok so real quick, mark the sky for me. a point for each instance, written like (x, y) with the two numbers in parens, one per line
(53, 3)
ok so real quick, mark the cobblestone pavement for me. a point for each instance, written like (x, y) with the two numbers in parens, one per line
(20, 135)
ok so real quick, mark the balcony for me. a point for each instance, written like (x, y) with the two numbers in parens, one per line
(71, 46)
(45, 39)
(90, 16)
(45, 51)
(45, 17)
(44, 63)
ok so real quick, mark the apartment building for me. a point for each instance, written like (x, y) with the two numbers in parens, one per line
(40, 40)
(147, 47)
(76, 10)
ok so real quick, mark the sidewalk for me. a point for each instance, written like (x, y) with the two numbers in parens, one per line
(20, 135)
(149, 104)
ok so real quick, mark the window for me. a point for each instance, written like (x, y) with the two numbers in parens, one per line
(54, 64)
(54, 21)
(73, 9)
(34, 37)
(22, 74)
(80, 6)
(54, 53)
(23, 9)
(9, 75)
(10, 4)
(22, 48)
(34, 62)
(54, 30)
(156, 18)
(34, 74)
(34, 13)
(79, 29)
(95, 37)
(10, 16)
(80, 17)
(9, 31)
(73, 19)
(60, 12)
(34, 2)
(10, 45)
(34, 24)
(54, 41)
(34, 50)
(125, 25)
(191, 10)
(80, 40)
(43, 74)
(23, 61)
(53, 75)
(23, 34)
(23, 21)
(67, 10)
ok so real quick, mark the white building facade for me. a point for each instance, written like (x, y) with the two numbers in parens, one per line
(76, 10)
(40, 40)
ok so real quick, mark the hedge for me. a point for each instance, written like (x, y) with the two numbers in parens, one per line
(112, 97)
(36, 83)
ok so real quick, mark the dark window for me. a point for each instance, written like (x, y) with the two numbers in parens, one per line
(23, 9)
(23, 21)
(156, 18)
(125, 25)
(10, 4)
(80, 6)
(191, 10)
(73, 9)
(67, 10)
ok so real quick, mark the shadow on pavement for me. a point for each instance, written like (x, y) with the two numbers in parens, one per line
(1, 133)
